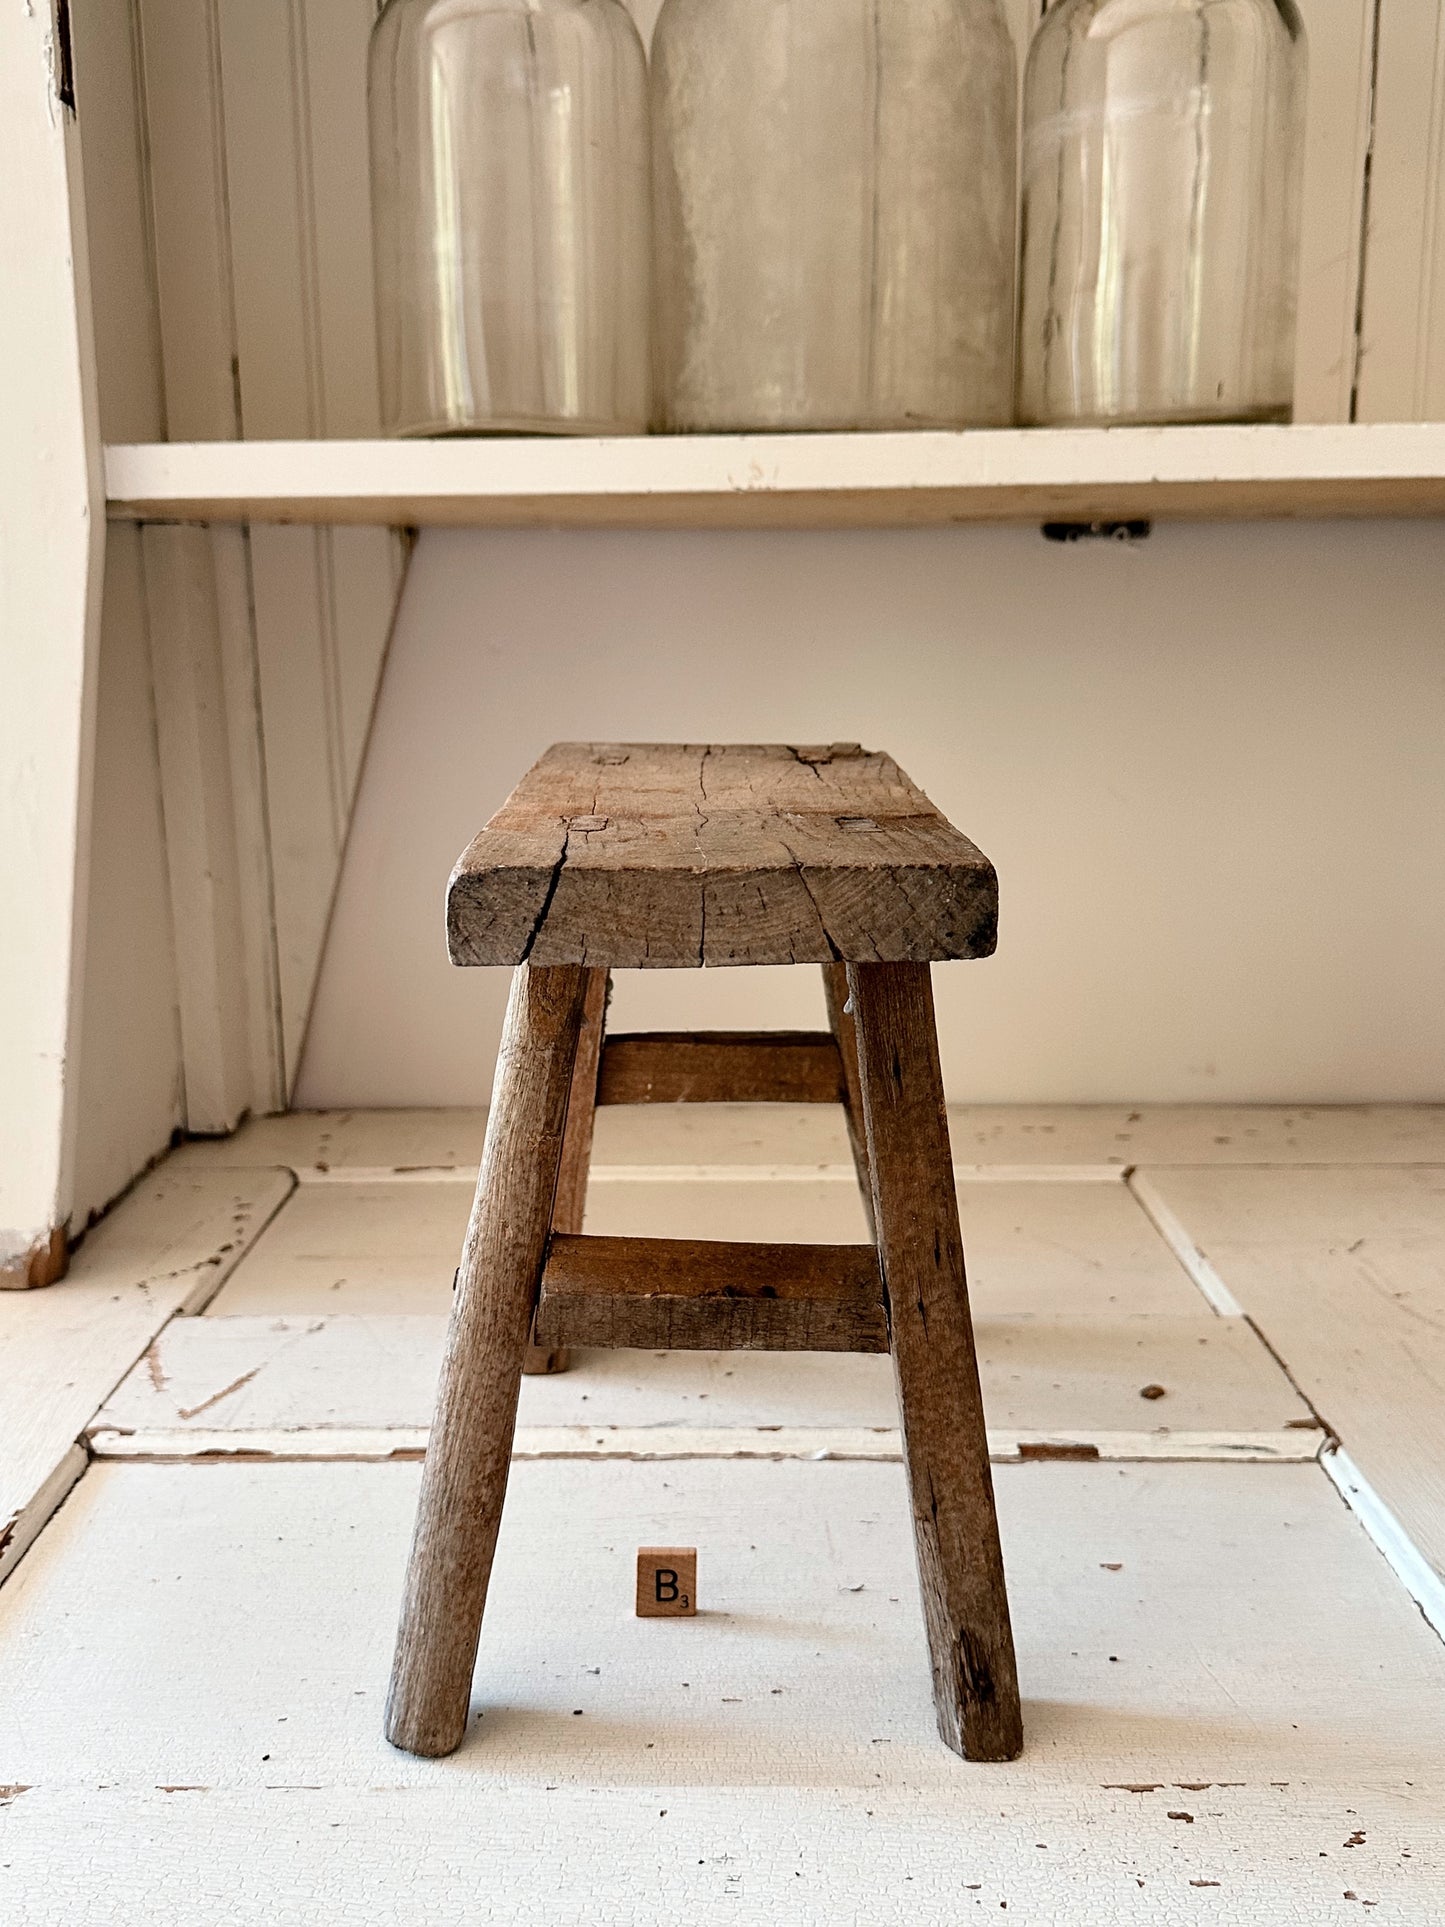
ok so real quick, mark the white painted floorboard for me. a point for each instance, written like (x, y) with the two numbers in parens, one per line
(1235, 1713)
(338, 1142)
(64, 1349)
(1344, 1273)
(1064, 1249)
(291, 1387)
(232, 1625)
(1054, 1856)
(1222, 1684)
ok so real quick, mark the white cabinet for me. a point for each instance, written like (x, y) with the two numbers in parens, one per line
(195, 291)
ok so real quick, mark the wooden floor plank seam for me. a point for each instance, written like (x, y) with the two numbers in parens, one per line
(1389, 1536)
(1176, 1235)
(201, 1226)
(647, 1443)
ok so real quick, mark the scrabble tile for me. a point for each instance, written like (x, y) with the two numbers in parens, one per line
(666, 1582)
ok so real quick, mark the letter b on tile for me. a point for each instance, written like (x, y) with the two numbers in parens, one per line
(666, 1582)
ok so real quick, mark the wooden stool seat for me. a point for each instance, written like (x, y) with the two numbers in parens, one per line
(673, 856)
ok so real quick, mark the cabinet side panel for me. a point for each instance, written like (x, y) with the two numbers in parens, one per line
(131, 1097)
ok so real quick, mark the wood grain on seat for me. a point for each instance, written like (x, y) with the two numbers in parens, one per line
(675, 855)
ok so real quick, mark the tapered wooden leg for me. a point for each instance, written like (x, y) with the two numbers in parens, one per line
(571, 1199)
(465, 1477)
(920, 1250)
(845, 1035)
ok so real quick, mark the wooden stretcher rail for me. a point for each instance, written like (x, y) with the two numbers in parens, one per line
(668, 1294)
(721, 1067)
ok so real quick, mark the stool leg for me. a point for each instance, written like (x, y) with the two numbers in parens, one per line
(465, 1477)
(920, 1251)
(571, 1199)
(845, 1036)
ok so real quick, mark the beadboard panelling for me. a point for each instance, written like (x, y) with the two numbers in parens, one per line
(1341, 35)
(294, 78)
(296, 655)
(186, 140)
(294, 85)
(250, 869)
(1402, 363)
(126, 319)
(256, 123)
(200, 827)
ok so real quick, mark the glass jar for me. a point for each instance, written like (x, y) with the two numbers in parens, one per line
(834, 230)
(511, 212)
(1162, 152)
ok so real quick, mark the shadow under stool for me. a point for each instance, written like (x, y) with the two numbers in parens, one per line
(671, 856)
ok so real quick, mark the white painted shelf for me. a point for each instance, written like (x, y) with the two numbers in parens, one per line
(798, 481)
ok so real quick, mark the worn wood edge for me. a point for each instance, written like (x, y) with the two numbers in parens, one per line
(479, 935)
(646, 1442)
(209, 1282)
(568, 871)
(20, 1531)
(45, 1262)
(738, 1269)
(720, 1067)
(459, 1506)
(671, 1294)
(1388, 1534)
(845, 1036)
(569, 1201)
(1172, 1230)
(658, 1322)
(961, 1573)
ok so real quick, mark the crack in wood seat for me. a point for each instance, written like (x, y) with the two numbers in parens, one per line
(672, 855)
(675, 855)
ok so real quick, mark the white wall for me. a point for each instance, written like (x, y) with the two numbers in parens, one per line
(130, 1067)
(1210, 769)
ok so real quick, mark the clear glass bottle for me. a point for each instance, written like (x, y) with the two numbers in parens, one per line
(1162, 156)
(834, 233)
(511, 214)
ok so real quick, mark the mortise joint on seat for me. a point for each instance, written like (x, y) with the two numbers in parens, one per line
(721, 1067)
(667, 1294)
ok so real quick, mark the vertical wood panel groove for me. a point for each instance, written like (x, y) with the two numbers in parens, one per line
(1362, 246)
(305, 189)
(1402, 341)
(142, 162)
(1425, 325)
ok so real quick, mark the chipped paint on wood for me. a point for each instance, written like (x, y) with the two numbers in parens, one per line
(44, 1263)
(164, 1249)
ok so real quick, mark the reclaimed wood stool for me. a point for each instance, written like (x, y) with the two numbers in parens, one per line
(672, 856)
